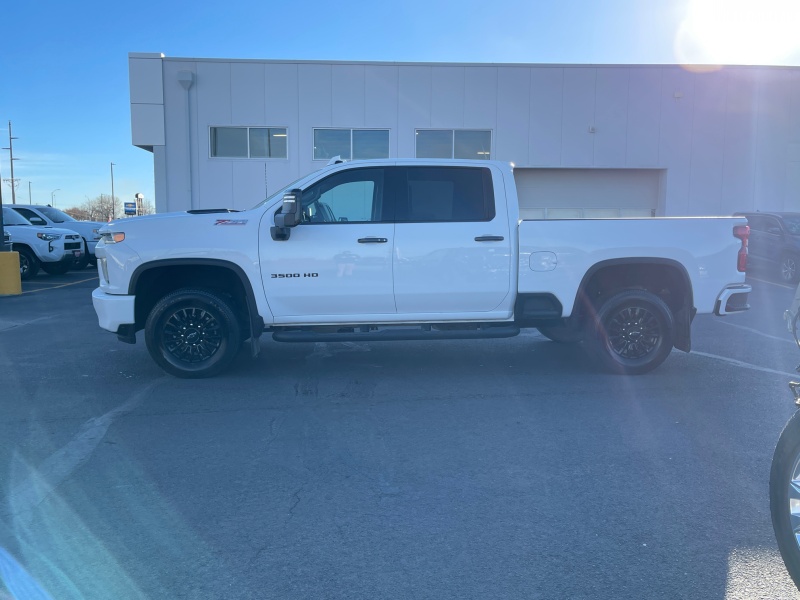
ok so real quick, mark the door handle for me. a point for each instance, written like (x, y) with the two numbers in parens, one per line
(489, 238)
(372, 240)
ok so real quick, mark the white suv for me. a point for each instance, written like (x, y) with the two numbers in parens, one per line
(47, 215)
(54, 250)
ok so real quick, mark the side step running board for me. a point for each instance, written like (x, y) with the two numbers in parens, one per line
(389, 335)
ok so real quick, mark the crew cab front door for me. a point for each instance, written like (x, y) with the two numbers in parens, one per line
(338, 261)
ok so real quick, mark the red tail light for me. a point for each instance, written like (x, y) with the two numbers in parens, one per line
(742, 232)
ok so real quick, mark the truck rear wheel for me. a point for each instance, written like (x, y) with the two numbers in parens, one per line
(632, 332)
(193, 333)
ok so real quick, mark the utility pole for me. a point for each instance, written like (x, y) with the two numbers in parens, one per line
(113, 216)
(29, 193)
(12, 159)
(2, 228)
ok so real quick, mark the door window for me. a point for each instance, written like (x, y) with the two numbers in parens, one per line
(354, 196)
(31, 216)
(446, 194)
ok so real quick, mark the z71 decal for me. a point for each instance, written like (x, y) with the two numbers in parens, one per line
(288, 275)
(231, 222)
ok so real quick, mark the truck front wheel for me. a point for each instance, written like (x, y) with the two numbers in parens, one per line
(632, 332)
(28, 264)
(193, 333)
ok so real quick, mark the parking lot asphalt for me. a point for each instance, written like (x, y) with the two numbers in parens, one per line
(465, 469)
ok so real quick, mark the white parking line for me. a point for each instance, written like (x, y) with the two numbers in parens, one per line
(744, 365)
(756, 331)
(788, 287)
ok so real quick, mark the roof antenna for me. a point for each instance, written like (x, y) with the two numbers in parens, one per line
(336, 160)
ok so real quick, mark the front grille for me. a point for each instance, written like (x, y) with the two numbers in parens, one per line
(72, 246)
(72, 237)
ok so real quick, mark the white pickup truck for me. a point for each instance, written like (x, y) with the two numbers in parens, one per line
(412, 250)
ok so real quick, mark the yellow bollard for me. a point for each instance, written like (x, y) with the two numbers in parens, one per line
(10, 283)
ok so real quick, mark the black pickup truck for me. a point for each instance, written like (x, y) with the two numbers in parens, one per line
(774, 243)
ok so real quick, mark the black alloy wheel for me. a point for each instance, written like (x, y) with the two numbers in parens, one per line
(193, 333)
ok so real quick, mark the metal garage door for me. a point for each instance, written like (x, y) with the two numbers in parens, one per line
(587, 193)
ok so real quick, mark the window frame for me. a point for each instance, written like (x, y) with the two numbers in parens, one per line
(487, 181)
(248, 128)
(351, 130)
(453, 142)
(387, 201)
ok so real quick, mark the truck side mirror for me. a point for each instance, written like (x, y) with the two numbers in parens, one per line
(290, 215)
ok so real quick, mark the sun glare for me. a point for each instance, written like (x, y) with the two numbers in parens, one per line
(744, 32)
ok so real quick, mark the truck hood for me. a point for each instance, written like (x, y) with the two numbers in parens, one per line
(183, 233)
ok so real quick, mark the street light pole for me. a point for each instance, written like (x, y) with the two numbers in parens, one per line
(30, 201)
(113, 216)
(53, 196)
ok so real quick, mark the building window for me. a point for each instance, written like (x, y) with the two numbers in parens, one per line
(248, 142)
(351, 144)
(475, 144)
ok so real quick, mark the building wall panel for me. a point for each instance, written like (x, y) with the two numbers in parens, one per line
(577, 148)
(414, 106)
(644, 117)
(610, 117)
(447, 97)
(248, 96)
(347, 104)
(546, 116)
(674, 149)
(707, 144)
(513, 122)
(480, 97)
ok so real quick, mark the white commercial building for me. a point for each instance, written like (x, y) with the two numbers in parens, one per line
(587, 141)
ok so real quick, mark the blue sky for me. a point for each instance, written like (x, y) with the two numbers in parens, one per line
(64, 77)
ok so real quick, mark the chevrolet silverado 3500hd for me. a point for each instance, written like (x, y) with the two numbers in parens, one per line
(412, 249)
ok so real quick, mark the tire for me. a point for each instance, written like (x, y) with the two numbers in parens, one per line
(193, 333)
(785, 469)
(28, 264)
(632, 333)
(57, 268)
(788, 268)
(562, 334)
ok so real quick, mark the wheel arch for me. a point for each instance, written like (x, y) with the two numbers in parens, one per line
(153, 280)
(664, 277)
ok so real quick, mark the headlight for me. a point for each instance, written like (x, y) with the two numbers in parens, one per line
(110, 237)
(96, 233)
(48, 237)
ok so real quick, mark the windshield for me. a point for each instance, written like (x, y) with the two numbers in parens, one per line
(55, 215)
(12, 217)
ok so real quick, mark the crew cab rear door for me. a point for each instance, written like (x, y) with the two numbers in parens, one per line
(338, 260)
(452, 242)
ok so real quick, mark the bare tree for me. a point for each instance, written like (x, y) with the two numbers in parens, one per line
(102, 209)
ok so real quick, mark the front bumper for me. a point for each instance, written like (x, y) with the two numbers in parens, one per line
(733, 299)
(113, 311)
